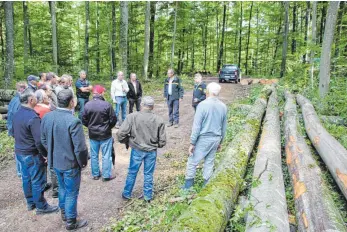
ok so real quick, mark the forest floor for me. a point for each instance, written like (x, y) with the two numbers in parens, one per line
(100, 202)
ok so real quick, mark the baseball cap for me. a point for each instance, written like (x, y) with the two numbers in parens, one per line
(32, 78)
(98, 89)
(148, 101)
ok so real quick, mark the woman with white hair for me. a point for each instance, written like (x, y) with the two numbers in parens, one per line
(42, 106)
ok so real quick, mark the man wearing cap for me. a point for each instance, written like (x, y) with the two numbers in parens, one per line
(83, 89)
(100, 118)
(32, 82)
(119, 90)
(145, 133)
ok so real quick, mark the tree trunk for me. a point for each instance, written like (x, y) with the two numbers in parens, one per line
(307, 16)
(86, 39)
(268, 197)
(174, 37)
(97, 40)
(285, 39)
(9, 65)
(113, 40)
(221, 47)
(314, 32)
(151, 41)
(147, 39)
(294, 28)
(324, 70)
(322, 22)
(6, 95)
(212, 208)
(124, 37)
(257, 49)
(2, 43)
(248, 36)
(315, 209)
(54, 36)
(25, 37)
(240, 37)
(204, 38)
(330, 150)
(338, 34)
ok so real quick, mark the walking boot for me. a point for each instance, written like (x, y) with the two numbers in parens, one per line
(63, 217)
(49, 209)
(73, 224)
(170, 124)
(188, 184)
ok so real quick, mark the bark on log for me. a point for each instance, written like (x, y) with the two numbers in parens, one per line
(334, 120)
(3, 109)
(212, 208)
(6, 94)
(268, 197)
(330, 150)
(315, 209)
(242, 107)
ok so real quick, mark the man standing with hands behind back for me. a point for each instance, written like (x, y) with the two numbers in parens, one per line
(83, 89)
(173, 93)
(119, 90)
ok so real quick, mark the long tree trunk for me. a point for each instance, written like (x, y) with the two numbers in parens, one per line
(313, 40)
(240, 36)
(307, 16)
(86, 38)
(124, 36)
(147, 35)
(338, 34)
(257, 49)
(221, 47)
(9, 65)
(54, 36)
(113, 39)
(315, 208)
(324, 70)
(151, 41)
(268, 197)
(25, 37)
(276, 47)
(204, 38)
(330, 150)
(294, 28)
(248, 36)
(97, 40)
(2, 43)
(322, 22)
(212, 208)
(285, 39)
(174, 37)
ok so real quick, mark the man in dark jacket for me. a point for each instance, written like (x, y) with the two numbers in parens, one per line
(135, 93)
(30, 152)
(100, 118)
(32, 82)
(199, 93)
(145, 133)
(83, 89)
(173, 93)
(63, 137)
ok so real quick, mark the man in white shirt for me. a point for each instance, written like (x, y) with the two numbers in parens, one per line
(119, 90)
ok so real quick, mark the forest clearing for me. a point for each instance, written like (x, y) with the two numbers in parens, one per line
(279, 160)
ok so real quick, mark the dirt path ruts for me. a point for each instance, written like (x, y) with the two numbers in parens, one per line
(98, 201)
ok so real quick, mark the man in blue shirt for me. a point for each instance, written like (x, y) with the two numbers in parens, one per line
(30, 153)
(210, 122)
(83, 89)
(13, 107)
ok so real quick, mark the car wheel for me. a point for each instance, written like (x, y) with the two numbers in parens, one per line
(220, 81)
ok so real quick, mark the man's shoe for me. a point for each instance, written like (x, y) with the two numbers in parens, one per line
(47, 187)
(63, 217)
(96, 177)
(126, 198)
(188, 184)
(169, 124)
(108, 179)
(176, 125)
(55, 194)
(49, 209)
(73, 224)
(31, 207)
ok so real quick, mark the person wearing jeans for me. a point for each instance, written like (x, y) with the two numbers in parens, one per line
(145, 133)
(119, 90)
(100, 118)
(29, 152)
(63, 137)
(83, 89)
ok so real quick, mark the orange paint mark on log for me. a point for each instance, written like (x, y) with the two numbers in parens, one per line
(342, 177)
(299, 189)
(304, 220)
(289, 155)
(291, 138)
(291, 219)
(294, 178)
(297, 161)
(316, 140)
(298, 149)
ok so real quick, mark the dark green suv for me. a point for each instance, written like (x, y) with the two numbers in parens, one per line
(230, 72)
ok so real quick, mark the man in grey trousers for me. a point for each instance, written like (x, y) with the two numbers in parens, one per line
(210, 122)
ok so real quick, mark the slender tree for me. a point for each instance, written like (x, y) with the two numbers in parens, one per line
(86, 38)
(147, 35)
(174, 37)
(285, 39)
(324, 70)
(339, 29)
(113, 39)
(54, 36)
(294, 28)
(257, 49)
(9, 65)
(240, 36)
(322, 22)
(307, 16)
(2, 40)
(25, 37)
(248, 36)
(313, 40)
(221, 47)
(97, 40)
(124, 36)
(151, 41)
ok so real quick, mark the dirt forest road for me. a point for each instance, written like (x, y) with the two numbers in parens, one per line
(99, 201)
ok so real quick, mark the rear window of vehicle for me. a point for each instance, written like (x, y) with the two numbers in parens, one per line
(229, 67)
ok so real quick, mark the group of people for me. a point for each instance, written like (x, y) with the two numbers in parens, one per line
(48, 135)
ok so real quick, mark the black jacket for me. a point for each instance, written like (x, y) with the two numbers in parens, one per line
(177, 88)
(131, 94)
(199, 93)
(100, 118)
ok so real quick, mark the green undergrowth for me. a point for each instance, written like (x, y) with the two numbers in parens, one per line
(160, 214)
(6, 146)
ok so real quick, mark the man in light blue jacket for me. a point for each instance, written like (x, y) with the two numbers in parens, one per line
(210, 122)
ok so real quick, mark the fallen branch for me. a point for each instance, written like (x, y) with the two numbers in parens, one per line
(334, 120)
(315, 209)
(330, 150)
(268, 197)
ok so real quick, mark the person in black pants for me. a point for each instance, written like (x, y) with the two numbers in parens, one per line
(135, 93)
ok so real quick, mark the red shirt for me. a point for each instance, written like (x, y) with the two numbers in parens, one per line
(42, 109)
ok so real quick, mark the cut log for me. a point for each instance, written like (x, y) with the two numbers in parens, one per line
(330, 150)
(6, 94)
(315, 209)
(334, 120)
(212, 208)
(242, 107)
(268, 196)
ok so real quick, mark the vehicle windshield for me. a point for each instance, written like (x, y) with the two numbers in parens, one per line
(230, 67)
